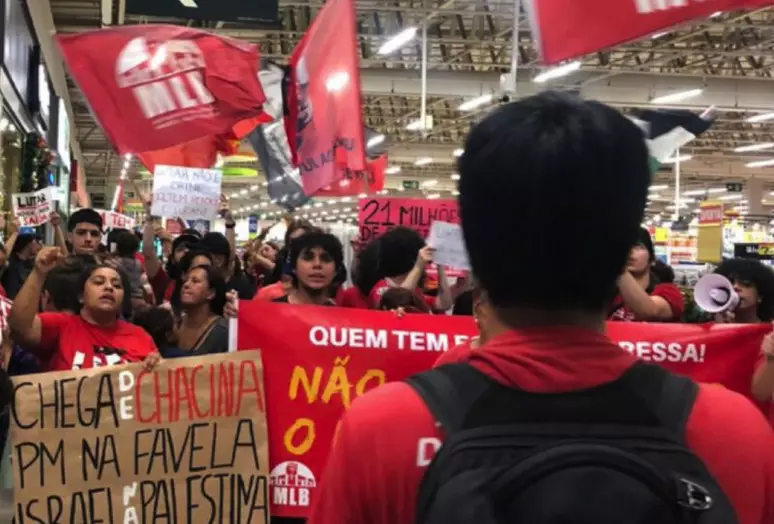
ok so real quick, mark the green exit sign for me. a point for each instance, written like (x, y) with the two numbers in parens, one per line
(734, 187)
(411, 184)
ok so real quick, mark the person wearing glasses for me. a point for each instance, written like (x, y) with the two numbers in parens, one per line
(85, 232)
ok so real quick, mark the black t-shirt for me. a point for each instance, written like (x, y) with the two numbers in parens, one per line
(243, 285)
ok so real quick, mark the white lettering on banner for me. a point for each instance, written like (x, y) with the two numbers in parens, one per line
(111, 219)
(366, 338)
(426, 450)
(33, 209)
(665, 351)
(173, 94)
(189, 193)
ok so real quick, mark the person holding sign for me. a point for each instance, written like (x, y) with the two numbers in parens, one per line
(95, 336)
(399, 259)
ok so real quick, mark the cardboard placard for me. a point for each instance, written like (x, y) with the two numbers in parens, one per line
(184, 443)
(33, 209)
(186, 192)
(378, 215)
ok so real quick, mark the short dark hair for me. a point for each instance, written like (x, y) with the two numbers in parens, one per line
(158, 322)
(391, 255)
(63, 284)
(325, 241)
(755, 273)
(216, 243)
(127, 244)
(545, 164)
(84, 216)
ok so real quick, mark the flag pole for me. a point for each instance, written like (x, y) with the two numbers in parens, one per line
(677, 184)
(423, 101)
(515, 47)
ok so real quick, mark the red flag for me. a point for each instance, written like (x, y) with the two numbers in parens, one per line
(155, 86)
(353, 183)
(570, 28)
(325, 126)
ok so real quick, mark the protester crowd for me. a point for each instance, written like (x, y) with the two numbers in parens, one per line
(98, 298)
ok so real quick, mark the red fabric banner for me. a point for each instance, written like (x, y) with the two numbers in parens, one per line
(152, 87)
(570, 28)
(324, 124)
(377, 215)
(317, 361)
(353, 183)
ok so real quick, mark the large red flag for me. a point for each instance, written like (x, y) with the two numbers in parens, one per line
(325, 127)
(568, 29)
(353, 183)
(152, 87)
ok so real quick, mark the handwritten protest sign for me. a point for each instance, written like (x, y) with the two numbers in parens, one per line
(449, 245)
(377, 215)
(111, 219)
(33, 209)
(185, 443)
(186, 192)
(318, 362)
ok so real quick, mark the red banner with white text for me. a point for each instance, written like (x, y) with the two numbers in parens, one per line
(568, 29)
(317, 361)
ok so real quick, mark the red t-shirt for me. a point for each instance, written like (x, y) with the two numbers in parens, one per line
(388, 437)
(352, 298)
(271, 292)
(69, 342)
(375, 296)
(669, 292)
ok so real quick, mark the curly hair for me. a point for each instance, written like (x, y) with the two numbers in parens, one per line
(391, 255)
(756, 274)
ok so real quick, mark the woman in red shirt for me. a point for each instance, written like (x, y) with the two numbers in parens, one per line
(94, 337)
(641, 296)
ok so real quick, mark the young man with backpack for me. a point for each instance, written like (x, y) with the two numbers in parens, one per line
(550, 422)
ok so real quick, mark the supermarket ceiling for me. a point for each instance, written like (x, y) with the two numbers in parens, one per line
(726, 58)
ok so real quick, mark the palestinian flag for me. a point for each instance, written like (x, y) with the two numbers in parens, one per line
(667, 130)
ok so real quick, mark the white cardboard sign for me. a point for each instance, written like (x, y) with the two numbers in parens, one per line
(186, 192)
(33, 209)
(446, 239)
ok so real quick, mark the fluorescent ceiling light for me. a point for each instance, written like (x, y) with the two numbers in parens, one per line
(458, 152)
(699, 192)
(430, 183)
(362, 195)
(658, 187)
(730, 197)
(754, 147)
(398, 41)
(675, 159)
(415, 125)
(455, 176)
(761, 117)
(676, 97)
(557, 72)
(760, 163)
(375, 141)
(433, 195)
(658, 35)
(128, 156)
(423, 161)
(455, 193)
(337, 81)
(392, 170)
(473, 103)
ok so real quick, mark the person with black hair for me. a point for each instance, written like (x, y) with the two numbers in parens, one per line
(549, 421)
(223, 260)
(85, 230)
(398, 259)
(203, 330)
(160, 323)
(754, 284)
(20, 263)
(191, 259)
(641, 296)
(127, 246)
(95, 336)
(280, 280)
(317, 261)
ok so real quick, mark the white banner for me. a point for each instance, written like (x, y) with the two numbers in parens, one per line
(449, 245)
(186, 192)
(33, 209)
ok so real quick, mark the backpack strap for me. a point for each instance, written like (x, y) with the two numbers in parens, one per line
(673, 395)
(449, 392)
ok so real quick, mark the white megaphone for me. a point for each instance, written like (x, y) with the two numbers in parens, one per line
(715, 294)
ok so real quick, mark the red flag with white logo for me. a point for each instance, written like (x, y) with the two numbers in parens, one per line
(568, 29)
(324, 124)
(155, 86)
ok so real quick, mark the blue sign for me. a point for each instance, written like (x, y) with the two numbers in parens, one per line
(253, 223)
(26, 230)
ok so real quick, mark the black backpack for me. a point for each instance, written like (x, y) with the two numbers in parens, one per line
(612, 454)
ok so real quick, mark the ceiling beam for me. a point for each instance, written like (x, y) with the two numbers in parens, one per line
(626, 89)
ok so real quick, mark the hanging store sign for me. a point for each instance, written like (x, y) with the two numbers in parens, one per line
(253, 11)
